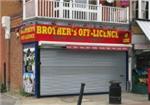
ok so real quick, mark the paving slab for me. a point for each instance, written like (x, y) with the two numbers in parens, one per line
(127, 99)
(7, 99)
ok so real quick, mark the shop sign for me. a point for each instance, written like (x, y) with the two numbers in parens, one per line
(74, 34)
(28, 33)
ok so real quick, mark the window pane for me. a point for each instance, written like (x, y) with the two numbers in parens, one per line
(94, 2)
(81, 1)
(145, 9)
(67, 0)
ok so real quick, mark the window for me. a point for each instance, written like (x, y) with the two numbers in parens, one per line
(93, 2)
(124, 3)
(143, 60)
(28, 0)
(135, 10)
(109, 2)
(67, 0)
(145, 9)
(81, 1)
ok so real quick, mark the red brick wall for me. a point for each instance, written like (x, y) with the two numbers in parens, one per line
(2, 51)
(15, 63)
(11, 55)
(10, 7)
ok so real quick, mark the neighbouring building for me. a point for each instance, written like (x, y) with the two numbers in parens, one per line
(11, 49)
(140, 28)
(62, 43)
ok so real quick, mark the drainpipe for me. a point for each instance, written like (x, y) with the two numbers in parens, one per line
(8, 60)
(6, 26)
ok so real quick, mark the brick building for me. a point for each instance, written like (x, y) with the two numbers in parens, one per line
(10, 49)
(73, 16)
(61, 38)
(140, 27)
(89, 15)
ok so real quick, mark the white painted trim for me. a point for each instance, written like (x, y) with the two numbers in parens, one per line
(128, 14)
(86, 44)
(24, 10)
(70, 9)
(61, 9)
(149, 9)
(140, 9)
(145, 0)
(98, 2)
(131, 10)
(130, 72)
(91, 9)
(99, 13)
(36, 7)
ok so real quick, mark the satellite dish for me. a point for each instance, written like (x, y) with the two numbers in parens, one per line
(110, 1)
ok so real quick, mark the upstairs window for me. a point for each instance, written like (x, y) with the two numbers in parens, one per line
(108, 2)
(28, 0)
(144, 11)
(93, 2)
(81, 1)
(124, 3)
(67, 0)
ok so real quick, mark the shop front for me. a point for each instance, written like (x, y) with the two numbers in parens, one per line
(140, 71)
(57, 59)
(141, 57)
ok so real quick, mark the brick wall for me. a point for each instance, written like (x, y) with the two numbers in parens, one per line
(15, 56)
(2, 51)
(10, 7)
(15, 63)
(11, 50)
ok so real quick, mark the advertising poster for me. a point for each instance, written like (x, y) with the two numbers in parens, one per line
(29, 70)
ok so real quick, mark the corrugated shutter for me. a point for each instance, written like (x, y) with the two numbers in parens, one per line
(62, 71)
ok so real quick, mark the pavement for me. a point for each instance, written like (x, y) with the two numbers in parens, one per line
(7, 99)
(127, 99)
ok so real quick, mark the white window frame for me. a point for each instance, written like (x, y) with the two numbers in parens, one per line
(140, 9)
(87, 1)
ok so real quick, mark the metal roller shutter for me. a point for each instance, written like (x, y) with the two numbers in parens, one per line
(62, 71)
